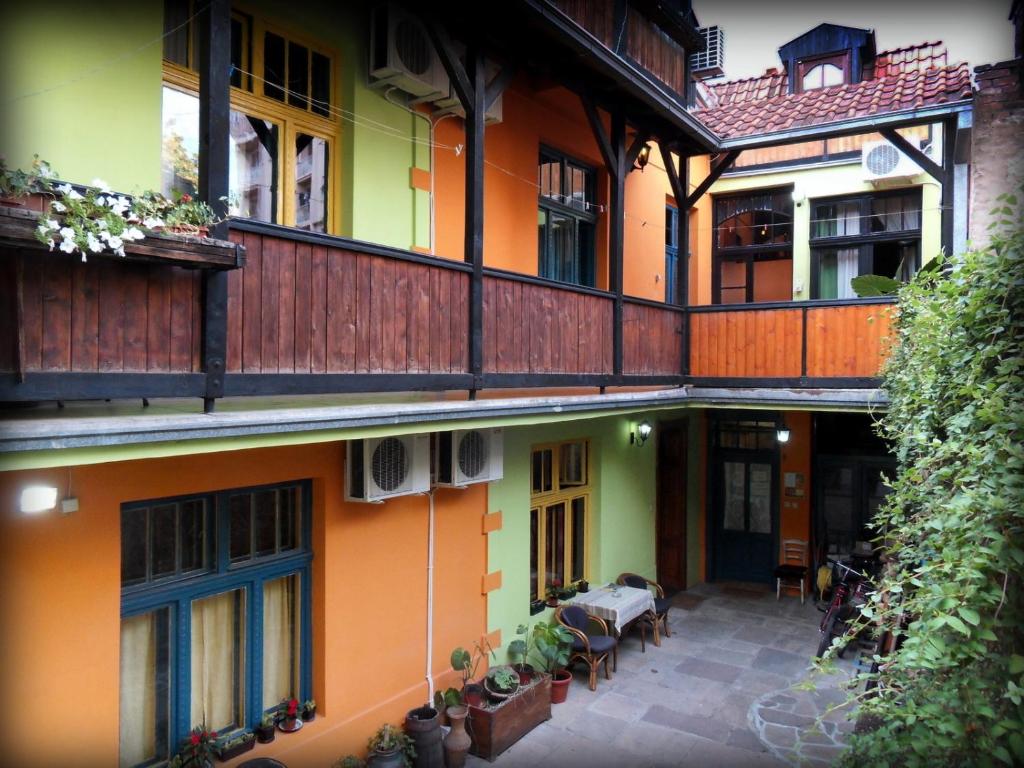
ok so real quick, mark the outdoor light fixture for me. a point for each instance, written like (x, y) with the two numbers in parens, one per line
(643, 431)
(799, 196)
(782, 432)
(38, 498)
(642, 158)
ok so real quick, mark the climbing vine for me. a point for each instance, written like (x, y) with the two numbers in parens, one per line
(952, 693)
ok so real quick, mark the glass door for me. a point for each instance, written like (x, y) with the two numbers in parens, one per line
(745, 515)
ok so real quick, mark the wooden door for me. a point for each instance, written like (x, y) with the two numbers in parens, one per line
(670, 528)
(746, 515)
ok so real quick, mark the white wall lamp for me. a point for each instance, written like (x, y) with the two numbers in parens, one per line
(781, 431)
(799, 196)
(38, 498)
(640, 435)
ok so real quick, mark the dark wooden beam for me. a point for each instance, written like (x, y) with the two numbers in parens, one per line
(616, 230)
(716, 171)
(929, 166)
(634, 149)
(498, 85)
(214, 148)
(678, 190)
(949, 127)
(474, 235)
(600, 134)
(457, 74)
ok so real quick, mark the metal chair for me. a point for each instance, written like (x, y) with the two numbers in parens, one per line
(590, 649)
(793, 566)
(661, 603)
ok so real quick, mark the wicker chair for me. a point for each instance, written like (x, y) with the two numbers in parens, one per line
(590, 649)
(661, 603)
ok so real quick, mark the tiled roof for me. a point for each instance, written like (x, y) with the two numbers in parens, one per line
(903, 78)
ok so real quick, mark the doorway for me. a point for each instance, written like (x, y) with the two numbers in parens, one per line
(670, 526)
(744, 506)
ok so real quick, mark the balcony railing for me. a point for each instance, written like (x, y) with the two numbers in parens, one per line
(309, 313)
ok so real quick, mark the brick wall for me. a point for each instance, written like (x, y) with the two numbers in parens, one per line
(997, 146)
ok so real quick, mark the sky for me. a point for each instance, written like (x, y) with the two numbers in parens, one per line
(975, 31)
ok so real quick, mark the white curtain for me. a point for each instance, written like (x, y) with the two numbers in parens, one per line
(280, 640)
(846, 269)
(218, 643)
(138, 689)
(848, 219)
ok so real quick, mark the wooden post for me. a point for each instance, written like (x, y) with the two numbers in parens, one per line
(474, 236)
(679, 181)
(214, 138)
(949, 127)
(616, 229)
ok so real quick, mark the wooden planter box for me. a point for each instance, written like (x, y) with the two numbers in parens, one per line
(497, 727)
(18, 228)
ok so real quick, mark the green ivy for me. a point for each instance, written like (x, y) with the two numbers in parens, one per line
(953, 527)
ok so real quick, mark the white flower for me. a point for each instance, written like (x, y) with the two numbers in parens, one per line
(68, 246)
(52, 224)
(47, 226)
(118, 204)
(93, 243)
(119, 252)
(45, 171)
(73, 195)
(64, 188)
(153, 222)
(101, 224)
(101, 185)
(133, 233)
(116, 244)
(58, 206)
(67, 233)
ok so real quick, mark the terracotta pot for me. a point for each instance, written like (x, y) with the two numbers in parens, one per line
(526, 672)
(473, 694)
(457, 742)
(560, 686)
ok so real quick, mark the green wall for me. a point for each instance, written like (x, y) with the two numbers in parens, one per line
(82, 89)
(621, 536)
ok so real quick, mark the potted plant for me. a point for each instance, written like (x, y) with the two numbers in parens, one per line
(197, 749)
(233, 746)
(518, 650)
(350, 761)
(266, 729)
(553, 591)
(17, 184)
(467, 664)
(390, 748)
(552, 643)
(501, 682)
(289, 716)
(451, 697)
(566, 592)
(582, 586)
(190, 216)
(308, 710)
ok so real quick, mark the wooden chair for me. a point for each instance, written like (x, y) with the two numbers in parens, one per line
(590, 649)
(661, 603)
(793, 566)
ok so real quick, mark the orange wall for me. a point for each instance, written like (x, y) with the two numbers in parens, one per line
(554, 117)
(795, 511)
(60, 619)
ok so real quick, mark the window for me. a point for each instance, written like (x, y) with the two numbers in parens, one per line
(753, 248)
(215, 608)
(863, 235)
(823, 72)
(560, 501)
(565, 220)
(282, 123)
(671, 254)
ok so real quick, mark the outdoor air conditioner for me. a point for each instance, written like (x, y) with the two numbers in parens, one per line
(468, 456)
(402, 54)
(711, 61)
(881, 160)
(380, 468)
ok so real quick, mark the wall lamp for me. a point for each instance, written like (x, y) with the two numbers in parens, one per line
(799, 196)
(781, 431)
(642, 158)
(38, 498)
(639, 437)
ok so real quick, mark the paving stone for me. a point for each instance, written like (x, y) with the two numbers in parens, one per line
(620, 707)
(781, 736)
(780, 662)
(698, 725)
(780, 701)
(744, 738)
(821, 752)
(709, 670)
(780, 717)
(712, 755)
(593, 725)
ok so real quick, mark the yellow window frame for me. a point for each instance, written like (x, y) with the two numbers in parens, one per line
(540, 502)
(291, 120)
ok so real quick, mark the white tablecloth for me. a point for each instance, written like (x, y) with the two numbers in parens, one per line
(618, 606)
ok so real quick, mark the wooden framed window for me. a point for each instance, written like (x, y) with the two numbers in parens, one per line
(875, 234)
(559, 513)
(823, 71)
(215, 613)
(752, 248)
(566, 219)
(283, 126)
(671, 254)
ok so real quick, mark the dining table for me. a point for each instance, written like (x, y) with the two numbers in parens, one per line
(618, 605)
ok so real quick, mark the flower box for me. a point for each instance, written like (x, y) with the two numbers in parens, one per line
(236, 748)
(497, 726)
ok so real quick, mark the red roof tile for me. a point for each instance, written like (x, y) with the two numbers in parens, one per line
(738, 114)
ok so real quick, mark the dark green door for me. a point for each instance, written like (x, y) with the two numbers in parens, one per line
(745, 515)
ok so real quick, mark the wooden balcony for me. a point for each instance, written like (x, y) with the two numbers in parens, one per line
(310, 314)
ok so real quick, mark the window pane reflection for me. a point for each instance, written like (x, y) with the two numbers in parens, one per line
(253, 168)
(311, 168)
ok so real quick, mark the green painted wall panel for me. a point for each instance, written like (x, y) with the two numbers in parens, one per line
(82, 89)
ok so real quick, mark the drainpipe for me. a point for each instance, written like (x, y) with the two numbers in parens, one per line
(430, 598)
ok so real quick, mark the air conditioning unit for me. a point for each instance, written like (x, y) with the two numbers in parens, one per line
(881, 160)
(381, 468)
(711, 61)
(468, 456)
(449, 103)
(402, 54)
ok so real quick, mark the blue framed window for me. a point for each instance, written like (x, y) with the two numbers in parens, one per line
(215, 613)
(566, 219)
(671, 253)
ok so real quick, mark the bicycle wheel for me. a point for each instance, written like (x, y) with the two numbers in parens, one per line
(826, 635)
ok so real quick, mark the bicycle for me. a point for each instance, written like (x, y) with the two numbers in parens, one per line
(847, 598)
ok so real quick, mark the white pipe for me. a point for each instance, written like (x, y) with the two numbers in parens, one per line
(430, 598)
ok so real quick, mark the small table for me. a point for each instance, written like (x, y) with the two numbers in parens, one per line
(618, 605)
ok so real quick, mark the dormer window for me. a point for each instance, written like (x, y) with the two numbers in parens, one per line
(823, 72)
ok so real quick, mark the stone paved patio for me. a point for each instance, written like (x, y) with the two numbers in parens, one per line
(719, 692)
